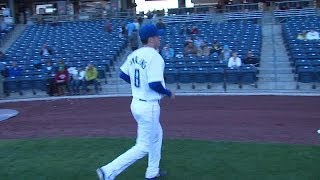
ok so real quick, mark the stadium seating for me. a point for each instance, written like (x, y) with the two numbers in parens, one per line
(240, 35)
(304, 54)
(77, 43)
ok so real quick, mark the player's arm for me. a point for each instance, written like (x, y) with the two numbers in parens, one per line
(124, 71)
(155, 76)
(125, 77)
(157, 86)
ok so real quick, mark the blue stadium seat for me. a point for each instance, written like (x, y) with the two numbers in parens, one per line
(301, 63)
(39, 83)
(102, 74)
(201, 75)
(306, 74)
(233, 75)
(216, 76)
(12, 85)
(26, 83)
(248, 75)
(170, 75)
(185, 75)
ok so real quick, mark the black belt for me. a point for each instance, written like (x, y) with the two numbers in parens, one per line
(148, 100)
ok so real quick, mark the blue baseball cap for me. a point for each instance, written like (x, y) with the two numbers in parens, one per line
(149, 30)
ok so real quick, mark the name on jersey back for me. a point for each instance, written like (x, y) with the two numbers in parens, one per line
(137, 61)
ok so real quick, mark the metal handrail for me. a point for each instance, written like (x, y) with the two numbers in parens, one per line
(310, 4)
(242, 7)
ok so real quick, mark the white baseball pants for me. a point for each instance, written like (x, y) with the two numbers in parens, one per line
(149, 140)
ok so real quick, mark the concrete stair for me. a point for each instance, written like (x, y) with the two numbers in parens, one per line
(275, 67)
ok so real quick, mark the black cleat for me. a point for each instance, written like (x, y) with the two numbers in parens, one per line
(161, 174)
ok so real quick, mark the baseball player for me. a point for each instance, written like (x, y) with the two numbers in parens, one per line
(143, 69)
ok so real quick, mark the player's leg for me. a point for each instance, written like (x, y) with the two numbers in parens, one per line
(141, 148)
(122, 162)
(155, 144)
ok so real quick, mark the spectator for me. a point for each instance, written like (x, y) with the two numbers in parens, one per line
(190, 49)
(130, 27)
(49, 69)
(312, 35)
(251, 59)
(154, 17)
(262, 5)
(91, 77)
(198, 42)
(49, 72)
(45, 50)
(194, 30)
(160, 24)
(3, 26)
(302, 35)
(108, 26)
(225, 53)
(61, 78)
(149, 14)
(203, 50)
(77, 80)
(140, 20)
(136, 24)
(186, 42)
(134, 40)
(15, 71)
(123, 31)
(167, 52)
(234, 61)
(216, 48)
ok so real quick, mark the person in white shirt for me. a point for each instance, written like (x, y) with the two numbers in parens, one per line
(312, 35)
(234, 61)
(77, 75)
(45, 50)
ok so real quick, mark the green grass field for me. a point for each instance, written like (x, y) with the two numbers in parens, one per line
(77, 159)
